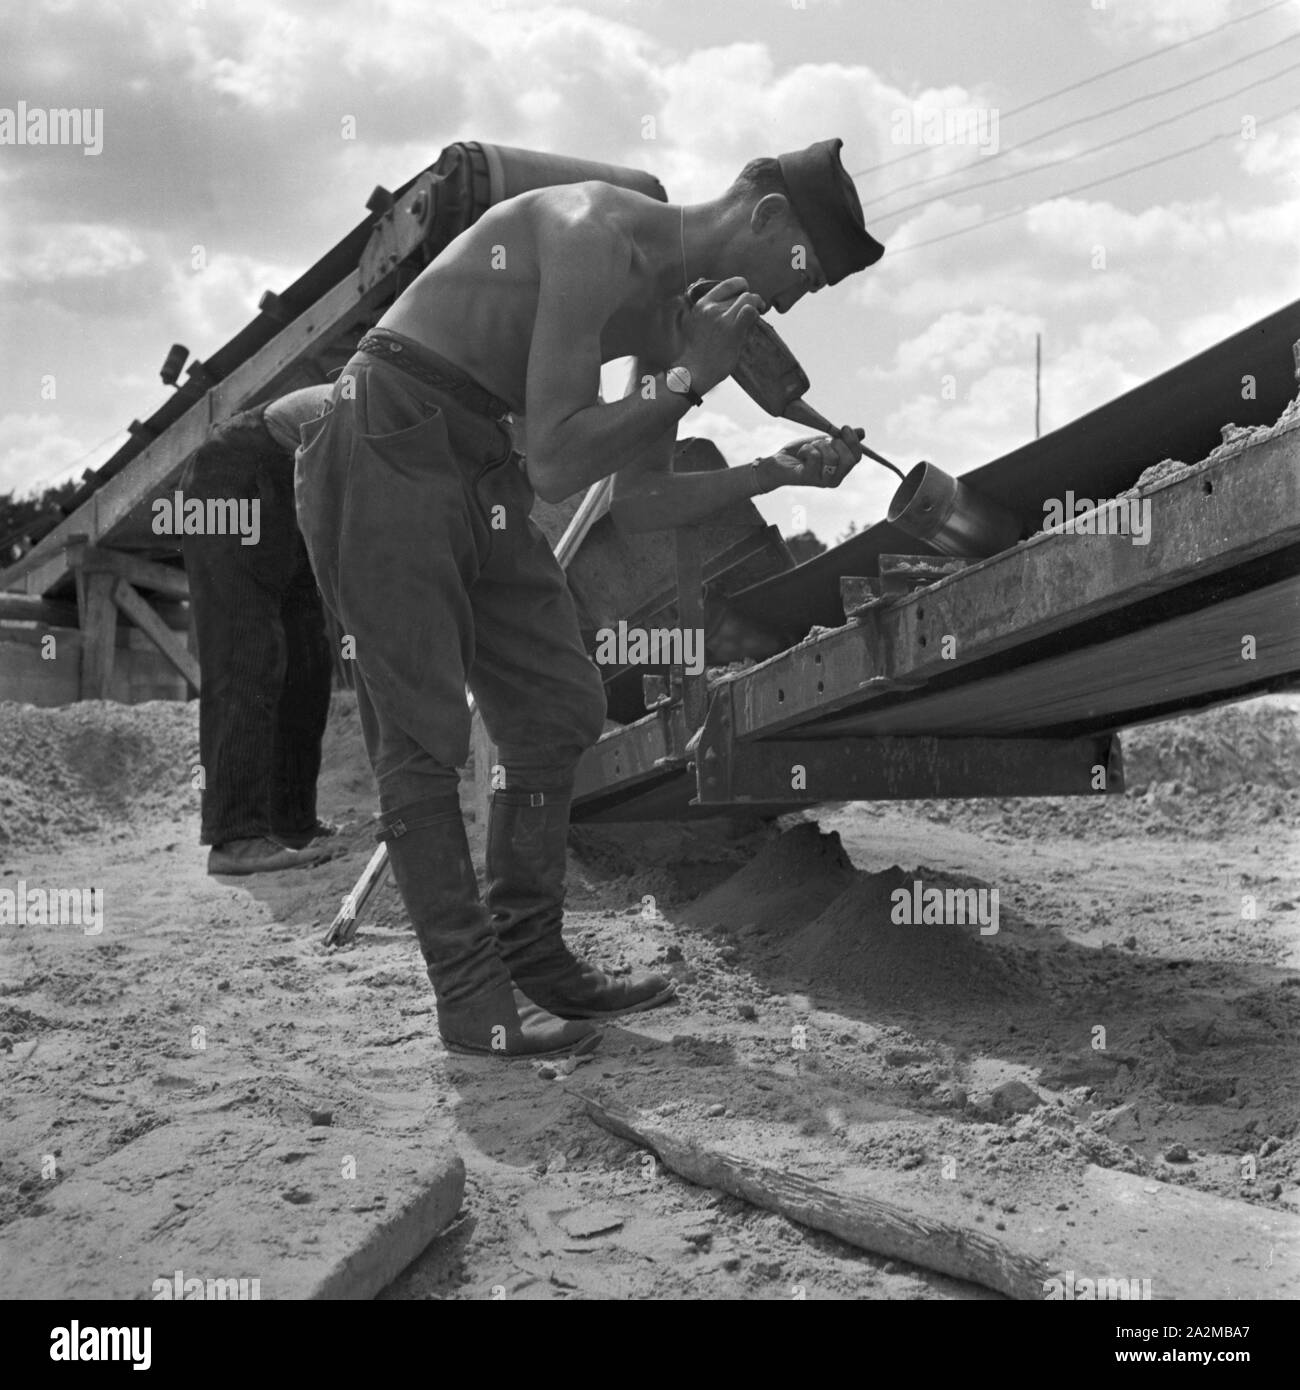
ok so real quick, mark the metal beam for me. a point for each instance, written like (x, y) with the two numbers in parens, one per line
(634, 754)
(894, 769)
(909, 769)
(1216, 516)
(1178, 414)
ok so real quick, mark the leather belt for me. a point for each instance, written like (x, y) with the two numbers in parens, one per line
(473, 396)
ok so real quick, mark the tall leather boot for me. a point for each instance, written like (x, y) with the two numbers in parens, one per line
(479, 1009)
(527, 835)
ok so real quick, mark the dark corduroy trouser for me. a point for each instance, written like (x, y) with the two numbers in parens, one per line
(263, 652)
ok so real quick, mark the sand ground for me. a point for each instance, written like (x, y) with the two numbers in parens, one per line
(1132, 914)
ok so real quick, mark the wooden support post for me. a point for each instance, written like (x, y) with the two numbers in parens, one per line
(131, 602)
(144, 574)
(98, 635)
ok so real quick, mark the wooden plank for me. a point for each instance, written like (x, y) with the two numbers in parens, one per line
(136, 607)
(29, 676)
(99, 636)
(1217, 516)
(224, 1200)
(31, 608)
(1149, 1238)
(962, 1251)
(689, 571)
(344, 926)
(29, 679)
(142, 574)
(594, 505)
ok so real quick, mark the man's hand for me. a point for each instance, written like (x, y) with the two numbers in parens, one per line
(715, 329)
(822, 461)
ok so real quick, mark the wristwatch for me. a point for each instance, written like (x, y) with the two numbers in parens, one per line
(678, 380)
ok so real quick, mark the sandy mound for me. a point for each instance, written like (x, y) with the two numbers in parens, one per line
(93, 766)
(99, 765)
(787, 882)
(1256, 742)
(854, 947)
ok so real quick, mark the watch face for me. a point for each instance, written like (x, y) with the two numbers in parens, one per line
(679, 379)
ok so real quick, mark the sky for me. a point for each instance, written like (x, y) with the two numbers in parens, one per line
(255, 130)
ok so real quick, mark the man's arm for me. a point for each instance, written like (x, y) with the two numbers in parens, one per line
(573, 440)
(649, 496)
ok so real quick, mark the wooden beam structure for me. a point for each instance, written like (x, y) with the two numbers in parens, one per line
(99, 635)
(129, 600)
(116, 515)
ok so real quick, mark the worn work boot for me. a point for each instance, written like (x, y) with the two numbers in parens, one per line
(300, 839)
(527, 835)
(479, 1009)
(261, 855)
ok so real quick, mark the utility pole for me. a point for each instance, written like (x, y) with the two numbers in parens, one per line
(1038, 383)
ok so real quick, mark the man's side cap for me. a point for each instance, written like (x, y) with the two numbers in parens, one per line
(826, 204)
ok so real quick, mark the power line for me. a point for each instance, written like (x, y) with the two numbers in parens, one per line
(1097, 77)
(1083, 187)
(1133, 62)
(1082, 154)
(68, 467)
(1097, 116)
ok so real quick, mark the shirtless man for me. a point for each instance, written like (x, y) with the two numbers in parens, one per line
(415, 509)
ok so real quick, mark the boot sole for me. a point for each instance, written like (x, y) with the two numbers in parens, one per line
(652, 1003)
(583, 1045)
(245, 870)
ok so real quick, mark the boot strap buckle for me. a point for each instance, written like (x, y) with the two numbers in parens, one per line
(395, 831)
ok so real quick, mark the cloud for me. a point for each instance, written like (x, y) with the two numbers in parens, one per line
(1125, 22)
(49, 253)
(965, 342)
(965, 385)
(35, 447)
(206, 306)
(1275, 150)
(1172, 229)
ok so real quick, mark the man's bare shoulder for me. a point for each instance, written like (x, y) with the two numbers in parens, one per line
(585, 219)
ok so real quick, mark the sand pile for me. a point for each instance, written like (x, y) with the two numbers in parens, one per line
(94, 766)
(854, 947)
(97, 766)
(1236, 438)
(783, 885)
(1256, 742)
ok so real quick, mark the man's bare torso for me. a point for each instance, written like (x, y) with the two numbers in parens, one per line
(476, 304)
